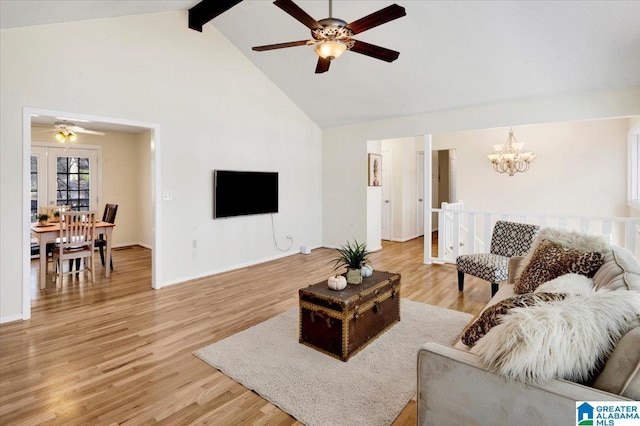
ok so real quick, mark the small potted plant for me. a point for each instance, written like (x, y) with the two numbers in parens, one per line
(56, 216)
(43, 219)
(353, 256)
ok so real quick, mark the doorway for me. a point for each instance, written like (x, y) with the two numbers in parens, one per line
(443, 180)
(29, 114)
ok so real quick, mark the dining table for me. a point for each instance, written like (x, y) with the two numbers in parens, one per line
(48, 233)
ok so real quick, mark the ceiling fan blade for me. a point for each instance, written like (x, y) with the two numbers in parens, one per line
(374, 51)
(45, 131)
(281, 45)
(82, 130)
(380, 17)
(294, 10)
(206, 10)
(323, 65)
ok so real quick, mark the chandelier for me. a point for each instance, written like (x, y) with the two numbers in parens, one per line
(507, 157)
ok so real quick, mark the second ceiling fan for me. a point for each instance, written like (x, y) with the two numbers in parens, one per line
(333, 36)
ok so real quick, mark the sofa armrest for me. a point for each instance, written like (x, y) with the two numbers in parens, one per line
(455, 388)
(514, 264)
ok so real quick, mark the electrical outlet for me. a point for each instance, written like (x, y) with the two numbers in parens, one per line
(194, 244)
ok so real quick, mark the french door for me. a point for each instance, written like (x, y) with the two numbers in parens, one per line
(65, 176)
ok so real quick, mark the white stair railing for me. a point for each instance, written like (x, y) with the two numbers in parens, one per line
(468, 232)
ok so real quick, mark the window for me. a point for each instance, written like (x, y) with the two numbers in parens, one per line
(34, 187)
(633, 197)
(73, 180)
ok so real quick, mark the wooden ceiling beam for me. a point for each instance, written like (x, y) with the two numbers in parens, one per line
(206, 10)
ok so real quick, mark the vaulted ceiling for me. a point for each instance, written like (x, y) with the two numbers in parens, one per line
(452, 53)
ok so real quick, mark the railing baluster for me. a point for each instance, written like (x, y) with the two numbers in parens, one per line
(442, 235)
(584, 225)
(543, 222)
(563, 222)
(607, 229)
(486, 238)
(456, 234)
(471, 233)
(630, 236)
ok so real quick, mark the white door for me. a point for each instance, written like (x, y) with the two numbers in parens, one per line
(420, 191)
(72, 178)
(387, 183)
(64, 176)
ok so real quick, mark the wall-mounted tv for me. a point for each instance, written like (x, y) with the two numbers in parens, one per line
(239, 193)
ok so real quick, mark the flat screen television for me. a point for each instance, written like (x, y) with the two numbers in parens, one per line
(239, 193)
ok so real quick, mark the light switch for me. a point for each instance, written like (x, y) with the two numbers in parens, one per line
(167, 195)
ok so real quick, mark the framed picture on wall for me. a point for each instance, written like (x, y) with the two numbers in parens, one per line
(375, 170)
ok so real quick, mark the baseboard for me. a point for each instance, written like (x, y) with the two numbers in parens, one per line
(234, 267)
(404, 240)
(132, 243)
(11, 318)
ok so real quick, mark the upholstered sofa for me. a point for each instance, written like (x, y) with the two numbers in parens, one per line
(456, 387)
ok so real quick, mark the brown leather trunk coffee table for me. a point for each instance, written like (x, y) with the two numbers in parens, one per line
(341, 323)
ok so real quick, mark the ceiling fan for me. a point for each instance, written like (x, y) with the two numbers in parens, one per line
(333, 36)
(66, 131)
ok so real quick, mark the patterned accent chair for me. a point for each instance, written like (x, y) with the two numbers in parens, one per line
(509, 239)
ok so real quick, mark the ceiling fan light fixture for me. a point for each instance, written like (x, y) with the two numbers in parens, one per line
(60, 137)
(330, 49)
(64, 136)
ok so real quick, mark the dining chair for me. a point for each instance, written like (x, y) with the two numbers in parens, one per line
(77, 235)
(108, 216)
(50, 211)
(508, 239)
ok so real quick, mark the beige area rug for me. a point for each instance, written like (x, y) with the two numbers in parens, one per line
(371, 388)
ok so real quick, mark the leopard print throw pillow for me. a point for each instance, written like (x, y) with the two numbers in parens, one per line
(492, 316)
(551, 260)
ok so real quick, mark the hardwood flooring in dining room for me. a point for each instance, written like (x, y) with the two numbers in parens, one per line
(119, 352)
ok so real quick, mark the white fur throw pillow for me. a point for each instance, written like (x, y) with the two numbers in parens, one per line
(569, 283)
(567, 339)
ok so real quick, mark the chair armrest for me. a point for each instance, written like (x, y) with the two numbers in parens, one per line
(512, 268)
(454, 388)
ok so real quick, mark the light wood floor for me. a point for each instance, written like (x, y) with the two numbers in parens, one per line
(119, 352)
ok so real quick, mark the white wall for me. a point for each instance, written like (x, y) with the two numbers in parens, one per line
(144, 236)
(214, 110)
(374, 206)
(576, 164)
(342, 143)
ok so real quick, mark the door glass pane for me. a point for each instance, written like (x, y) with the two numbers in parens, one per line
(34, 187)
(73, 179)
